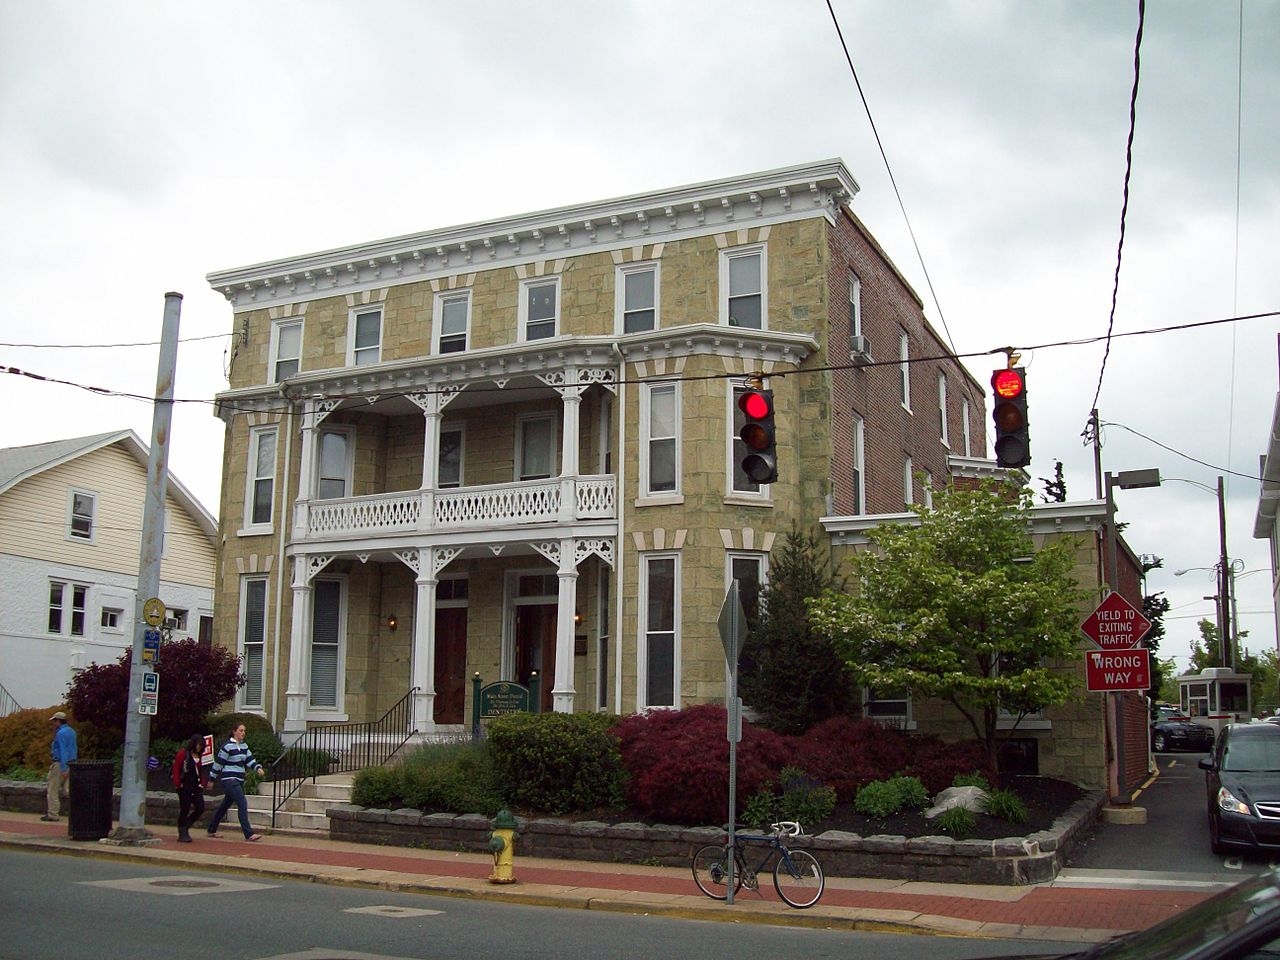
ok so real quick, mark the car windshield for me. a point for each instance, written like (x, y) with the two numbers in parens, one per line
(1184, 934)
(1251, 754)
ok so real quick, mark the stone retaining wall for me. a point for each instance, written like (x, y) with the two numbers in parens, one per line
(1012, 861)
(23, 796)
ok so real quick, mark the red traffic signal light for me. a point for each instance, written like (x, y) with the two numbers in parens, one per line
(758, 434)
(1009, 413)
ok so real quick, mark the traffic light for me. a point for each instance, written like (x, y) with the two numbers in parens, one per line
(760, 462)
(1013, 445)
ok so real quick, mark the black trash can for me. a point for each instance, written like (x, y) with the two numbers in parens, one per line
(90, 798)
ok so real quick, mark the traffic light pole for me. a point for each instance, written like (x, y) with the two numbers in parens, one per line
(137, 738)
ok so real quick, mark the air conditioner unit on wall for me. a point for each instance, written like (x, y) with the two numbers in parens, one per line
(859, 350)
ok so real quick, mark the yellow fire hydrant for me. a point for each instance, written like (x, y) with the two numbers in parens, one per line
(502, 841)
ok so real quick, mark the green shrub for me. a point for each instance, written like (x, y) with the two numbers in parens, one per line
(974, 779)
(957, 821)
(378, 787)
(450, 778)
(1006, 805)
(878, 799)
(912, 792)
(760, 809)
(804, 799)
(24, 774)
(557, 762)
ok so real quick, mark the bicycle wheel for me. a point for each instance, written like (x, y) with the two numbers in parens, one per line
(711, 871)
(798, 879)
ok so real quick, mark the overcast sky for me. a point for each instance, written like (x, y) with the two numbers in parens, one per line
(143, 145)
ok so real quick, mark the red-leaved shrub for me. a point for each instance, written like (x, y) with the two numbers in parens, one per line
(846, 754)
(937, 764)
(678, 763)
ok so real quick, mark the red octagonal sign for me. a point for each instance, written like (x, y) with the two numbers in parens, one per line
(1116, 624)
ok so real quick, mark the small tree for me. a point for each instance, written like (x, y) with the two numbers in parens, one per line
(791, 675)
(962, 607)
(195, 679)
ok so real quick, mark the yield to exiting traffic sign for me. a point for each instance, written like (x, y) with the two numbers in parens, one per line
(1116, 624)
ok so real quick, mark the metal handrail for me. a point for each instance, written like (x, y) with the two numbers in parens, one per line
(8, 705)
(340, 748)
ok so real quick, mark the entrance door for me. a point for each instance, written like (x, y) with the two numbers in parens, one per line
(536, 648)
(451, 664)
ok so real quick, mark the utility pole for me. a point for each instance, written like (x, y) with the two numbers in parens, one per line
(1224, 584)
(137, 738)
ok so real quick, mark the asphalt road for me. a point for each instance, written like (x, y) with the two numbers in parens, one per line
(56, 907)
(1175, 838)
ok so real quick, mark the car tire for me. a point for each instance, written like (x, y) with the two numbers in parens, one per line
(1157, 743)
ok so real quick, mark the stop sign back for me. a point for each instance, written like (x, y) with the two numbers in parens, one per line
(1115, 624)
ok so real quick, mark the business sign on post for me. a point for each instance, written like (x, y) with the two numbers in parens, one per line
(1108, 670)
(1115, 624)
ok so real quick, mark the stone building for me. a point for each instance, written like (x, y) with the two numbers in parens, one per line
(512, 447)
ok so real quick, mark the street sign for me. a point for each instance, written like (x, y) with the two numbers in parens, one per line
(732, 624)
(150, 646)
(153, 611)
(1115, 624)
(1107, 670)
(150, 699)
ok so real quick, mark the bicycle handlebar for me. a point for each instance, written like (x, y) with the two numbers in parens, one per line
(787, 828)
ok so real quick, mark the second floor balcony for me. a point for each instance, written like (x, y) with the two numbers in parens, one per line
(500, 506)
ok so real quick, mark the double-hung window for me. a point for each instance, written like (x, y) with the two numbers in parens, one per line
(904, 367)
(889, 708)
(366, 336)
(637, 305)
(253, 639)
(859, 465)
(540, 308)
(748, 571)
(67, 605)
(742, 288)
(535, 448)
(82, 507)
(260, 495)
(855, 306)
(660, 435)
(286, 349)
(453, 321)
(333, 478)
(450, 457)
(964, 425)
(660, 629)
(942, 409)
(908, 483)
(328, 624)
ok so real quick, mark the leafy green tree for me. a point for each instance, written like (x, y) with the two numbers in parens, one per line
(791, 675)
(962, 607)
(1168, 682)
(1206, 651)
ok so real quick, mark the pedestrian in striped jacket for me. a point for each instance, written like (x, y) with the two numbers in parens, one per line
(234, 758)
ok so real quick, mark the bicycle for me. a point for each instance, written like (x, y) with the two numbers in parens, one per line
(797, 875)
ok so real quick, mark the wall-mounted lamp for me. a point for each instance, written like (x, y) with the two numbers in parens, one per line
(577, 616)
(391, 623)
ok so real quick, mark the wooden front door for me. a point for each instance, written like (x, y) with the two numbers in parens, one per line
(451, 664)
(536, 648)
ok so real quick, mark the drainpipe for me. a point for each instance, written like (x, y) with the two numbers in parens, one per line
(286, 524)
(618, 498)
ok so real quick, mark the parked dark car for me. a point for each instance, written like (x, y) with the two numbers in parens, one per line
(1242, 780)
(1241, 923)
(1180, 733)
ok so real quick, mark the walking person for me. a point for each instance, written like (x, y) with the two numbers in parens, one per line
(191, 784)
(64, 751)
(234, 758)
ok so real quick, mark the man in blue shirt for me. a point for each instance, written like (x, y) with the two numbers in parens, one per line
(64, 751)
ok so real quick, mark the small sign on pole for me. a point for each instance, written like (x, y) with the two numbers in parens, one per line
(150, 693)
(1107, 670)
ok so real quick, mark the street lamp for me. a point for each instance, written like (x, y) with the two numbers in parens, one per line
(1124, 480)
(1226, 574)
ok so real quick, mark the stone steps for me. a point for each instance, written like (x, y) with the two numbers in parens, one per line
(307, 810)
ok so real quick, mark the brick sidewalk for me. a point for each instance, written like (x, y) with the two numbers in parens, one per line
(1041, 912)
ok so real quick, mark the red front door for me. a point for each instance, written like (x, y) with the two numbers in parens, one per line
(451, 664)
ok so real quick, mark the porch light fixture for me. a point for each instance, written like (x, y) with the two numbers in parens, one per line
(391, 623)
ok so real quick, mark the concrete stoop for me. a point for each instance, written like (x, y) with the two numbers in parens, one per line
(307, 810)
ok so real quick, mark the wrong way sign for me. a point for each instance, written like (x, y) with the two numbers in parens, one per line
(1107, 670)
(1115, 624)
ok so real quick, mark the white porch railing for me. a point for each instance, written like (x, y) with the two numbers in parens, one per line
(563, 499)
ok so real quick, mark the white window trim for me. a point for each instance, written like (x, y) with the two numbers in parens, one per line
(942, 410)
(241, 702)
(927, 487)
(763, 491)
(554, 441)
(348, 478)
(461, 430)
(904, 368)
(338, 712)
(437, 319)
(352, 316)
(964, 426)
(642, 615)
(661, 496)
(758, 555)
(620, 294)
(860, 461)
(255, 438)
(855, 304)
(523, 307)
(730, 254)
(909, 722)
(908, 483)
(72, 493)
(67, 608)
(274, 357)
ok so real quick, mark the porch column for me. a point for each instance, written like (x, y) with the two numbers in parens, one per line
(431, 415)
(298, 693)
(562, 692)
(571, 399)
(423, 673)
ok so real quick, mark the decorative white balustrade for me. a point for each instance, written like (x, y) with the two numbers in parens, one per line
(563, 500)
